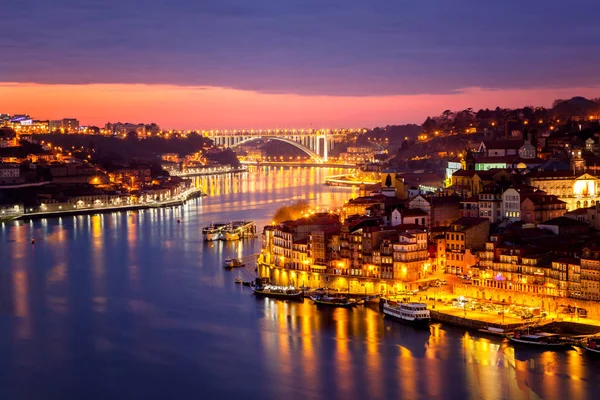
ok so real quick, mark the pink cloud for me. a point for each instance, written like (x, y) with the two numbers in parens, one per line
(181, 107)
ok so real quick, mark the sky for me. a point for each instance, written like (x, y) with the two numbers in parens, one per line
(236, 64)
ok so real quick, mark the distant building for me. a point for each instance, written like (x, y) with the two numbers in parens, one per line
(65, 125)
(463, 238)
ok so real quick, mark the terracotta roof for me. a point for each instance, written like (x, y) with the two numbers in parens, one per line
(413, 212)
(541, 198)
(470, 221)
(464, 172)
(551, 174)
(564, 221)
(579, 211)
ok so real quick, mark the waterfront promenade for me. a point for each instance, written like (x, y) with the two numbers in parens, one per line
(177, 200)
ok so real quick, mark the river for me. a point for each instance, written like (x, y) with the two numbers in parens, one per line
(134, 305)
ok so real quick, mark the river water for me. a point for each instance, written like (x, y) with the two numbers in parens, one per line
(135, 306)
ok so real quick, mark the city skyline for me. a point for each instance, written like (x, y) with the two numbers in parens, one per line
(228, 65)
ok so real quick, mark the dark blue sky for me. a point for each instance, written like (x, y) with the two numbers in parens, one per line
(308, 46)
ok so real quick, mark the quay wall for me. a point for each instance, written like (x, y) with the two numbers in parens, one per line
(547, 303)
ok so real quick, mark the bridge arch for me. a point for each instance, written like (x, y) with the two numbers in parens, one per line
(297, 145)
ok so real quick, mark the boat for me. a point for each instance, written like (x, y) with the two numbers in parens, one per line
(237, 230)
(491, 330)
(213, 232)
(415, 314)
(592, 344)
(278, 292)
(232, 263)
(248, 283)
(238, 280)
(539, 339)
(333, 301)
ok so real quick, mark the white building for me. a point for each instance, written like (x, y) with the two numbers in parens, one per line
(511, 205)
(490, 203)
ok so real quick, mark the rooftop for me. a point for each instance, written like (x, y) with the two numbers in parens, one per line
(503, 144)
(563, 221)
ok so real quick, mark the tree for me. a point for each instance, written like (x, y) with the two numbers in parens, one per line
(429, 125)
(388, 180)
(132, 136)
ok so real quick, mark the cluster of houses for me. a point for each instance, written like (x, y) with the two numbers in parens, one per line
(511, 221)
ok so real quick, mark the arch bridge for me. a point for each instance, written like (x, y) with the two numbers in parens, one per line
(316, 144)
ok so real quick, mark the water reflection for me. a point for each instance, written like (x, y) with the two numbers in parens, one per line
(135, 305)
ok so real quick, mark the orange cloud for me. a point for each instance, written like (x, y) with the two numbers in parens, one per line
(182, 107)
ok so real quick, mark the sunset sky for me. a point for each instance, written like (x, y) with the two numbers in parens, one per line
(222, 64)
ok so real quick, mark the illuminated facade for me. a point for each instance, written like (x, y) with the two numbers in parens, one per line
(577, 190)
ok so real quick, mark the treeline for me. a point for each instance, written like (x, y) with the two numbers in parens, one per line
(460, 121)
(149, 149)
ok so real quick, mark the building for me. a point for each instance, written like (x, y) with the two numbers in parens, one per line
(590, 273)
(279, 239)
(454, 165)
(576, 189)
(410, 255)
(538, 207)
(470, 207)
(500, 148)
(463, 238)
(442, 210)
(8, 138)
(563, 226)
(65, 125)
(9, 173)
(511, 205)
(414, 216)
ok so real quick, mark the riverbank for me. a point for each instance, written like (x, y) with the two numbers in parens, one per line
(100, 209)
(208, 171)
(297, 164)
(348, 181)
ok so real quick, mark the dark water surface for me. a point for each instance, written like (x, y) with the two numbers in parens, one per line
(136, 306)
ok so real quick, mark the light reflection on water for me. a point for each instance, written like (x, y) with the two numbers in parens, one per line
(135, 305)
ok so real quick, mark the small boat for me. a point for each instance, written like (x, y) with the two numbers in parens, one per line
(415, 314)
(592, 345)
(490, 330)
(277, 292)
(539, 339)
(247, 283)
(232, 263)
(238, 280)
(333, 301)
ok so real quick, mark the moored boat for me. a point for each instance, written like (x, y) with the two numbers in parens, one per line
(213, 232)
(232, 263)
(238, 280)
(333, 301)
(539, 339)
(415, 314)
(592, 344)
(490, 330)
(239, 230)
(278, 292)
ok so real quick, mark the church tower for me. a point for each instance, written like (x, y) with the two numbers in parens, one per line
(468, 162)
(577, 162)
